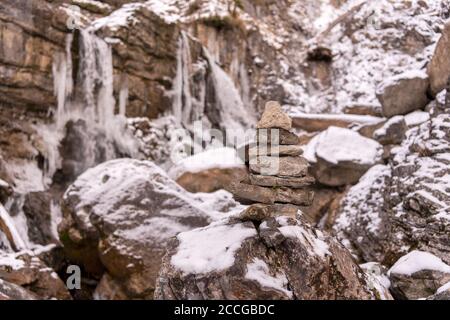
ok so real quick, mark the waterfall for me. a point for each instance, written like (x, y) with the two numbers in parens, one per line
(89, 103)
(233, 113)
(182, 104)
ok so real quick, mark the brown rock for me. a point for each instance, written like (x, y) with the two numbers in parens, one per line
(321, 122)
(259, 212)
(274, 117)
(210, 180)
(271, 195)
(29, 271)
(403, 93)
(271, 181)
(392, 132)
(439, 66)
(280, 150)
(363, 110)
(279, 136)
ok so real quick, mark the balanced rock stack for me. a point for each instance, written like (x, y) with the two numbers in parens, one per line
(278, 172)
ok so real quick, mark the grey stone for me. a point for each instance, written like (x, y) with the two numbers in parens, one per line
(279, 166)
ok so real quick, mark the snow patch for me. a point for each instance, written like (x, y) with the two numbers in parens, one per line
(416, 261)
(211, 248)
(259, 271)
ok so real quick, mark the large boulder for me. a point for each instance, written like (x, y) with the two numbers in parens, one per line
(403, 93)
(439, 66)
(341, 156)
(279, 257)
(119, 216)
(418, 275)
(403, 205)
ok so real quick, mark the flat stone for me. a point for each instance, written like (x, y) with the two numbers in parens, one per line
(271, 195)
(269, 181)
(280, 150)
(276, 137)
(260, 212)
(274, 117)
(279, 166)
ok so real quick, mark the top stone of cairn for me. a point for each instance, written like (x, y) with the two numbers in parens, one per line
(274, 117)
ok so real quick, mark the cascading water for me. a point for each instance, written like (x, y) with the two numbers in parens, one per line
(182, 101)
(233, 113)
(228, 110)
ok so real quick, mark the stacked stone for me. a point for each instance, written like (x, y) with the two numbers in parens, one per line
(278, 172)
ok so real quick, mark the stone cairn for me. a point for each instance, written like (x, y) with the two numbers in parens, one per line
(278, 173)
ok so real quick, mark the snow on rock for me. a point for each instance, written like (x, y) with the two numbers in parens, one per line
(259, 271)
(392, 132)
(415, 118)
(416, 261)
(127, 210)
(319, 122)
(222, 158)
(342, 145)
(361, 212)
(341, 156)
(378, 280)
(418, 275)
(281, 258)
(25, 269)
(405, 204)
(198, 249)
(444, 288)
(403, 93)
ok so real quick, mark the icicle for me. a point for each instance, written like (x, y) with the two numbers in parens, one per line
(123, 96)
(62, 79)
(9, 228)
(182, 105)
(233, 113)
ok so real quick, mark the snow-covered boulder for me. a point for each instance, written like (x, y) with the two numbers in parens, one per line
(341, 156)
(119, 216)
(403, 93)
(418, 275)
(280, 258)
(405, 204)
(439, 66)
